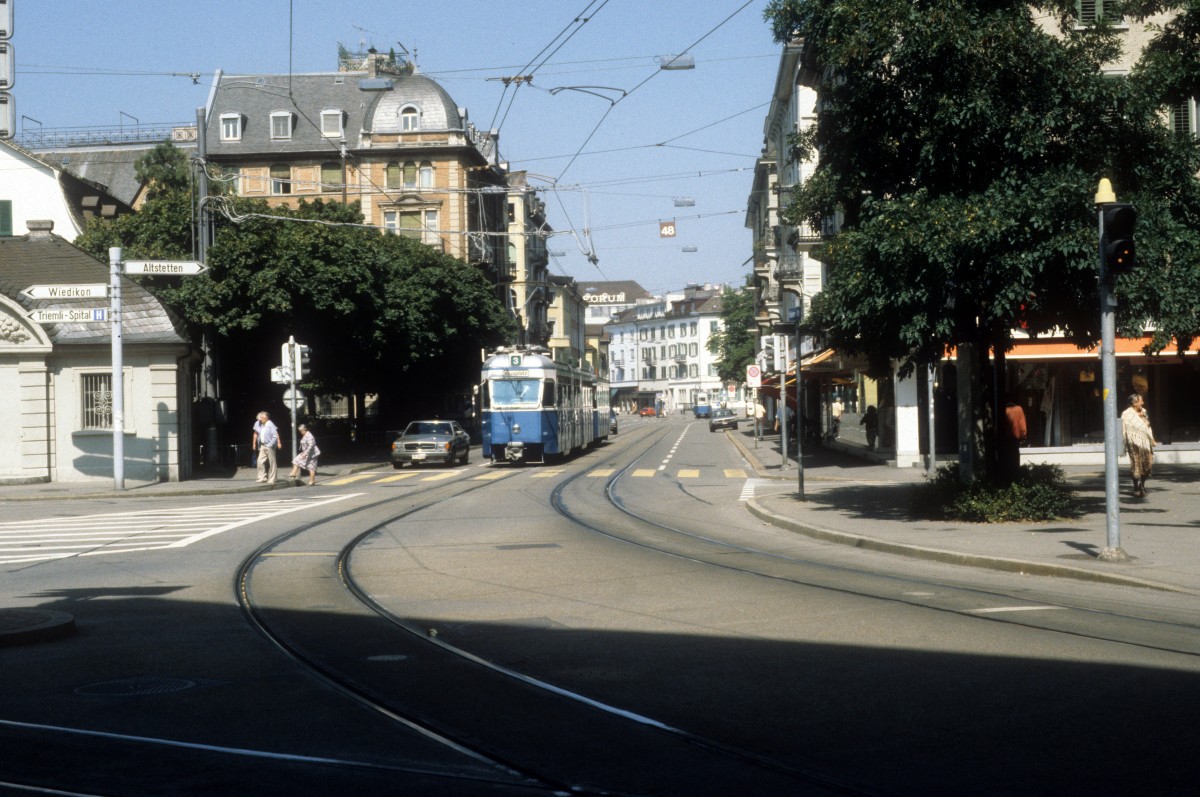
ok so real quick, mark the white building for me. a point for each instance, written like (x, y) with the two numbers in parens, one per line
(56, 389)
(658, 350)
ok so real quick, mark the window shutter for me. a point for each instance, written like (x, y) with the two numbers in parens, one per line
(6, 228)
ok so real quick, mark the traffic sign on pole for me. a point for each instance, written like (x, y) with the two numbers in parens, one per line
(82, 315)
(167, 267)
(97, 291)
(753, 376)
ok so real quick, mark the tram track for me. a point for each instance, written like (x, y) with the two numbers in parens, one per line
(708, 548)
(561, 728)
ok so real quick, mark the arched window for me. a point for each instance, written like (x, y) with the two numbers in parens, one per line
(393, 175)
(426, 176)
(410, 174)
(410, 119)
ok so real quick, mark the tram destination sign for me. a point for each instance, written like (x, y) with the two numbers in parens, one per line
(97, 291)
(167, 267)
(81, 315)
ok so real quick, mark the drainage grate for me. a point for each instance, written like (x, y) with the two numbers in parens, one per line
(137, 686)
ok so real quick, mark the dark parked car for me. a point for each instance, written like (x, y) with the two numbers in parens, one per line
(722, 419)
(431, 441)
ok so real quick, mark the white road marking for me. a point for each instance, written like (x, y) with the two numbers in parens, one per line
(1003, 609)
(41, 540)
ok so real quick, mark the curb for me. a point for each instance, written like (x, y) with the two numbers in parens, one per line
(1019, 566)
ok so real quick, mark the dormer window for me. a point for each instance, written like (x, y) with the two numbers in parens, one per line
(410, 119)
(1089, 12)
(281, 125)
(231, 127)
(332, 124)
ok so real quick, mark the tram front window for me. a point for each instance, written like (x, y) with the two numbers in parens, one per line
(515, 392)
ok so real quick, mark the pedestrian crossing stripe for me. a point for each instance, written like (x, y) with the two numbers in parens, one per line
(395, 478)
(547, 474)
(437, 477)
(735, 473)
(495, 474)
(688, 474)
(600, 473)
(350, 479)
(644, 473)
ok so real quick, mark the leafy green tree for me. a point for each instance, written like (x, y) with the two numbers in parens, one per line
(961, 143)
(384, 314)
(735, 342)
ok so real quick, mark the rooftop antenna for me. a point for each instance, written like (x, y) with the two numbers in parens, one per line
(362, 41)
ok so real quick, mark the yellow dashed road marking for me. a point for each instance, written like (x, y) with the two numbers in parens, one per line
(547, 474)
(494, 474)
(644, 473)
(397, 477)
(355, 478)
(735, 473)
(600, 473)
(688, 474)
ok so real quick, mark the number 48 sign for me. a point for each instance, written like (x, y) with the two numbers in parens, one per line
(666, 229)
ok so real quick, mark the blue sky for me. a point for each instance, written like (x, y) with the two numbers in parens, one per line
(618, 167)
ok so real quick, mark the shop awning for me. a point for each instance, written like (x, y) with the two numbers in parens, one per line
(1057, 349)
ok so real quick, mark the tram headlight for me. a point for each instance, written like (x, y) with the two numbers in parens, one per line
(516, 428)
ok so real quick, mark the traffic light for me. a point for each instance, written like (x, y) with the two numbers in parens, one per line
(303, 360)
(1117, 243)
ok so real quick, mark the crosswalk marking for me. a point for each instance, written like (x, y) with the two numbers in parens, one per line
(493, 474)
(26, 541)
(735, 473)
(353, 478)
(644, 473)
(437, 477)
(601, 473)
(395, 478)
(547, 474)
(688, 474)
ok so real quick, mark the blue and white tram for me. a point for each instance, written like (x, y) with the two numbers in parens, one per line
(534, 408)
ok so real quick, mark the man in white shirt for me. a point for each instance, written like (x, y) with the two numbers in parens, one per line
(266, 440)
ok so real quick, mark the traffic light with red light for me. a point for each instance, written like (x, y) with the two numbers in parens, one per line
(1117, 243)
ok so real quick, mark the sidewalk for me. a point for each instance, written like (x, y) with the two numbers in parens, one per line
(855, 502)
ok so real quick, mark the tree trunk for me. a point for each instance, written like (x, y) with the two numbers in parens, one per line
(970, 422)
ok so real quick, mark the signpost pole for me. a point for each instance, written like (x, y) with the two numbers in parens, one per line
(118, 368)
(292, 357)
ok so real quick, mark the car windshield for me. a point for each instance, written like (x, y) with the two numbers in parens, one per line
(426, 427)
(515, 392)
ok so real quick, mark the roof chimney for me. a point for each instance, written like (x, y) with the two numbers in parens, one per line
(40, 228)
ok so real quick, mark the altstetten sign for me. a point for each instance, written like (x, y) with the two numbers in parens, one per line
(167, 267)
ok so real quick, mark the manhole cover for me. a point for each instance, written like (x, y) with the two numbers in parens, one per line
(137, 686)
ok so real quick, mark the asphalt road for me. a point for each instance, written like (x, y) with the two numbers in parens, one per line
(616, 623)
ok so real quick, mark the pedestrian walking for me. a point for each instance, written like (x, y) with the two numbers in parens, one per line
(1139, 442)
(871, 422)
(306, 457)
(1015, 433)
(835, 413)
(266, 441)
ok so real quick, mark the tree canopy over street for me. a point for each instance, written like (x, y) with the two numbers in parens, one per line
(383, 313)
(734, 343)
(961, 143)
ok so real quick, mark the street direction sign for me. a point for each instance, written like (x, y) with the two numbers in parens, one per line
(97, 291)
(281, 375)
(82, 315)
(168, 267)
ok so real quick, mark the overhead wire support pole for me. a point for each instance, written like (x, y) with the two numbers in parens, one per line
(1112, 551)
(118, 369)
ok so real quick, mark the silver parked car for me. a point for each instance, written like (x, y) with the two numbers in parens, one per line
(431, 441)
